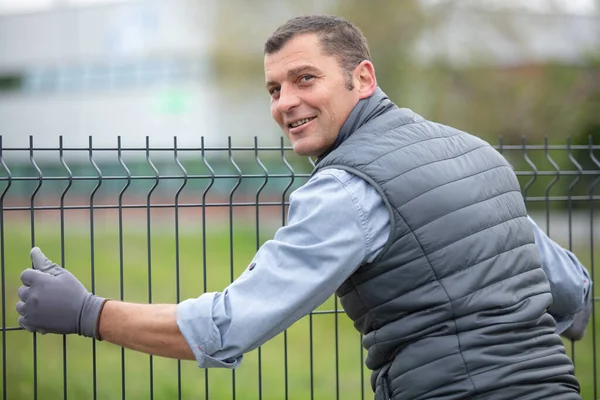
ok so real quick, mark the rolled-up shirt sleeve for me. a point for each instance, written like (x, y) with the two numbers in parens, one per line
(336, 223)
(570, 282)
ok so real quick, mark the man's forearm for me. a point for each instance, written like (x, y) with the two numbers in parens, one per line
(149, 328)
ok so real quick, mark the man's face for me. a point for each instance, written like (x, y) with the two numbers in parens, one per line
(309, 98)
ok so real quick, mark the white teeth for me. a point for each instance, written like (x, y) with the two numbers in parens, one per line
(301, 122)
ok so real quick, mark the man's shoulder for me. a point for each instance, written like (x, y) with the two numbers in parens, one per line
(335, 174)
(337, 178)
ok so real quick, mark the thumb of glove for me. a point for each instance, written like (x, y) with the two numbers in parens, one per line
(41, 263)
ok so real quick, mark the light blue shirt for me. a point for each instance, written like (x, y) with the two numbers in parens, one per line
(336, 222)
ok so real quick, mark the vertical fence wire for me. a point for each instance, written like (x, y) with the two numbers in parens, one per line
(177, 260)
(204, 248)
(283, 223)
(570, 221)
(231, 230)
(533, 167)
(63, 261)
(257, 244)
(337, 347)
(93, 258)
(121, 250)
(32, 224)
(149, 244)
(592, 204)
(551, 184)
(310, 338)
(3, 268)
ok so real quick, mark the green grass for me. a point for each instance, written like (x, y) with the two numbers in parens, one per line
(220, 269)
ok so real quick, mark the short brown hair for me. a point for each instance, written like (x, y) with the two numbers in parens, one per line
(338, 37)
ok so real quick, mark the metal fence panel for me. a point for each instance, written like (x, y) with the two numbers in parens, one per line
(149, 224)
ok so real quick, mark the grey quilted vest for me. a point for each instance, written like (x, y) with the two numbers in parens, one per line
(454, 306)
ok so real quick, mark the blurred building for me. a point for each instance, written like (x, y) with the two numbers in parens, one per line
(105, 68)
(467, 33)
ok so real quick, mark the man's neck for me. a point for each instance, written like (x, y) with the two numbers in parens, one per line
(364, 111)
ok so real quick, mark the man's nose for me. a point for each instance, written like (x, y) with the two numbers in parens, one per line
(288, 99)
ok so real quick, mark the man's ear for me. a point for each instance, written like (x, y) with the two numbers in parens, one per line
(366, 81)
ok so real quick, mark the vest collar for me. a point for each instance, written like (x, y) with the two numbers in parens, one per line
(364, 111)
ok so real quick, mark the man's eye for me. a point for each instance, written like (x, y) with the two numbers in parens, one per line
(306, 78)
(273, 91)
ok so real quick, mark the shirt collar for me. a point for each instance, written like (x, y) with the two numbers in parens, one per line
(364, 111)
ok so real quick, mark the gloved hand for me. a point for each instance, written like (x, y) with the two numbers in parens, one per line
(54, 301)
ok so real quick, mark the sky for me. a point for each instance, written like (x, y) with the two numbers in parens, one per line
(570, 6)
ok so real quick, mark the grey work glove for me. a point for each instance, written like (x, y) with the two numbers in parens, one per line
(54, 301)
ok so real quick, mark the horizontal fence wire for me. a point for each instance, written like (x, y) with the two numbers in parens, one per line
(114, 216)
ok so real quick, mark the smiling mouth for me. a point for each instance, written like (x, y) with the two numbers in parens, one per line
(300, 122)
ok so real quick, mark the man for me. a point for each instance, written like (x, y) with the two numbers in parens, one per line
(420, 228)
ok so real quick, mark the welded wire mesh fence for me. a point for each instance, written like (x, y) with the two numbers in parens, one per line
(160, 225)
